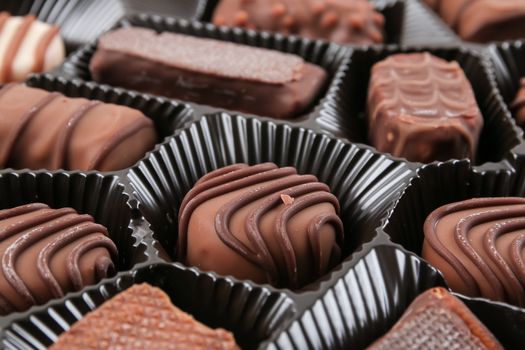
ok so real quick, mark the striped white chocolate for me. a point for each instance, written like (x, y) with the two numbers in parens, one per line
(27, 46)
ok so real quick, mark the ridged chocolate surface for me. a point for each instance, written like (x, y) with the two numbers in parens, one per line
(27, 46)
(142, 317)
(422, 108)
(48, 252)
(261, 222)
(518, 105)
(483, 20)
(207, 71)
(83, 134)
(437, 320)
(479, 245)
(341, 21)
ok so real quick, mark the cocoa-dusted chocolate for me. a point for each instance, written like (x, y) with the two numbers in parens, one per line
(439, 321)
(422, 108)
(479, 246)
(261, 222)
(44, 130)
(518, 105)
(483, 20)
(142, 317)
(341, 21)
(27, 46)
(47, 253)
(207, 71)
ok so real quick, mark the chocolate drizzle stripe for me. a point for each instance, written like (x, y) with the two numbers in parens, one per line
(223, 185)
(218, 177)
(42, 47)
(220, 172)
(434, 241)
(41, 228)
(516, 251)
(282, 233)
(77, 227)
(60, 156)
(13, 46)
(261, 256)
(9, 213)
(18, 129)
(268, 263)
(515, 292)
(73, 258)
(314, 228)
(462, 240)
(117, 138)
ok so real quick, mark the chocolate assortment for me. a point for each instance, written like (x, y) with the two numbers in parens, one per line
(262, 175)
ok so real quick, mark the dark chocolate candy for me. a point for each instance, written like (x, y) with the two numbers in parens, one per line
(206, 71)
(479, 246)
(341, 21)
(422, 108)
(439, 321)
(49, 252)
(518, 105)
(483, 20)
(142, 317)
(43, 130)
(262, 223)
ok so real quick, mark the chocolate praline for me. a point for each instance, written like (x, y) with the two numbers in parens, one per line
(47, 253)
(261, 222)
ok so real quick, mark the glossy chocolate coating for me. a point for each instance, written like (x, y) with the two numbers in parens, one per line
(27, 46)
(47, 253)
(439, 321)
(478, 245)
(341, 21)
(422, 108)
(483, 20)
(262, 223)
(83, 134)
(518, 105)
(142, 317)
(207, 71)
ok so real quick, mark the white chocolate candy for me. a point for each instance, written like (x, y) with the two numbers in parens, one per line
(27, 46)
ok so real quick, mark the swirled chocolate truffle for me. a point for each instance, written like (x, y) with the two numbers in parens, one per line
(261, 222)
(422, 108)
(341, 21)
(479, 246)
(142, 317)
(47, 253)
(207, 71)
(518, 105)
(27, 46)
(43, 130)
(483, 20)
(439, 321)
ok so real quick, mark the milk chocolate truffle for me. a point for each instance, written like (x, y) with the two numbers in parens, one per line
(142, 317)
(43, 130)
(261, 222)
(27, 46)
(207, 71)
(518, 105)
(422, 108)
(439, 321)
(483, 20)
(341, 21)
(479, 246)
(47, 253)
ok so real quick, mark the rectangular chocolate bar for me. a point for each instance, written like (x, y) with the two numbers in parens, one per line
(206, 71)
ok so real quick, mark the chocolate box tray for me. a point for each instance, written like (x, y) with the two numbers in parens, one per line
(354, 304)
